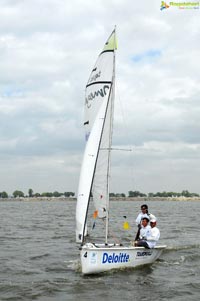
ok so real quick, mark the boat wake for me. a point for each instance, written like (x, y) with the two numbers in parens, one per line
(188, 254)
(179, 248)
(73, 265)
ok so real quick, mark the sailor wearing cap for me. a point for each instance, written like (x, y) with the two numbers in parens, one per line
(154, 235)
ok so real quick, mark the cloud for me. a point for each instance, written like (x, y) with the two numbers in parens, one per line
(47, 51)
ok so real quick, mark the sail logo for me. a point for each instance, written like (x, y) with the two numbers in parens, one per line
(101, 92)
(114, 258)
(95, 76)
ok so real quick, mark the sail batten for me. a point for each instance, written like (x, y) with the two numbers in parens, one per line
(99, 82)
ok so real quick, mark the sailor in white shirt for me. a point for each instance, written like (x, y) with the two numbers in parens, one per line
(145, 231)
(145, 228)
(153, 236)
(144, 213)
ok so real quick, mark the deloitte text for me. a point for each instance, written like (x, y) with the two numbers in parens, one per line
(122, 257)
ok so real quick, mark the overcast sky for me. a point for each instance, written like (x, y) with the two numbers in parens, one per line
(47, 50)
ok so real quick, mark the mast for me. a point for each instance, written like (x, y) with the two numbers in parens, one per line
(110, 141)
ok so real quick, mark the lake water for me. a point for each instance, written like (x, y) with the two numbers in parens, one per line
(39, 259)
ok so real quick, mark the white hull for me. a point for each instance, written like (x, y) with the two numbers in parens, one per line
(100, 258)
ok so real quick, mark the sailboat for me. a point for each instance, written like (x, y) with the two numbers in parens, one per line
(95, 172)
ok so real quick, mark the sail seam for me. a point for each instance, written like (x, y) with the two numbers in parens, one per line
(106, 51)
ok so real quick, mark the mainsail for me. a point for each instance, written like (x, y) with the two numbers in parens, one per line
(94, 176)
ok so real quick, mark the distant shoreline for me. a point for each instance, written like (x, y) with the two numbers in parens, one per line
(73, 199)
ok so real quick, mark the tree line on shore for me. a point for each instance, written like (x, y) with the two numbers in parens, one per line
(56, 194)
(184, 193)
(21, 194)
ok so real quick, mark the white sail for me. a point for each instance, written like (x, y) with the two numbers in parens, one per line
(98, 124)
(100, 189)
(87, 172)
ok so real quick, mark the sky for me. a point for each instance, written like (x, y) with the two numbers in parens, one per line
(47, 51)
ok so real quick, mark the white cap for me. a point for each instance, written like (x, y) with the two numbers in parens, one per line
(153, 220)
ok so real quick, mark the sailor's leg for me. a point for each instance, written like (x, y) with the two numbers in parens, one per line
(142, 243)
